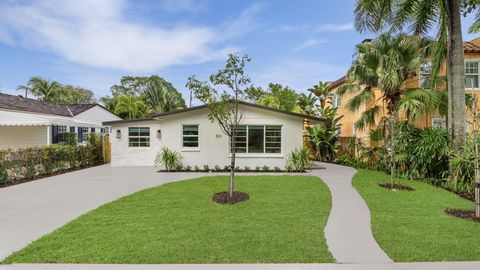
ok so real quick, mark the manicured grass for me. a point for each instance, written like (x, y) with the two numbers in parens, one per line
(179, 223)
(412, 226)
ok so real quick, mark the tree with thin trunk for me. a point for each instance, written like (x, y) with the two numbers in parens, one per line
(223, 105)
(422, 16)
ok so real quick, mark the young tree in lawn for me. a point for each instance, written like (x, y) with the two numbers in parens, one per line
(223, 105)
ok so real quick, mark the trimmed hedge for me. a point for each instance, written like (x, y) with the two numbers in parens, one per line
(30, 163)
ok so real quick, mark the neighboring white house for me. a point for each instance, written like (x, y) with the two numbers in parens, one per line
(26, 122)
(267, 136)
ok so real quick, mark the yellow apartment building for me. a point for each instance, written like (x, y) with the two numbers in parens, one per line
(347, 127)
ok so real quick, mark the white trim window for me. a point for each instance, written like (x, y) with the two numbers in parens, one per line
(258, 139)
(61, 134)
(471, 74)
(336, 100)
(190, 136)
(85, 133)
(138, 137)
(425, 73)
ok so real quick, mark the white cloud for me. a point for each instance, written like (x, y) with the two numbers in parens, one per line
(98, 33)
(314, 28)
(181, 5)
(308, 43)
(298, 74)
(334, 27)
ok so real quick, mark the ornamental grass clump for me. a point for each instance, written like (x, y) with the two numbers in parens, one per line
(299, 160)
(171, 160)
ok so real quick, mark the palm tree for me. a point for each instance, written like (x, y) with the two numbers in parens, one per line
(130, 106)
(307, 103)
(45, 90)
(385, 64)
(421, 16)
(322, 91)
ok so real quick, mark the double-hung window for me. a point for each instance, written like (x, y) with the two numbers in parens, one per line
(85, 131)
(425, 73)
(190, 136)
(61, 134)
(258, 139)
(138, 136)
(471, 74)
(336, 100)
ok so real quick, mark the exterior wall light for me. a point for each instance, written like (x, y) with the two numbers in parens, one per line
(118, 134)
(159, 134)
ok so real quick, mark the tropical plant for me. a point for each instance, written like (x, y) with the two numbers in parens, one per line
(224, 107)
(130, 107)
(45, 90)
(323, 137)
(280, 97)
(70, 94)
(322, 92)
(385, 64)
(462, 164)
(170, 159)
(421, 17)
(306, 103)
(299, 160)
(161, 96)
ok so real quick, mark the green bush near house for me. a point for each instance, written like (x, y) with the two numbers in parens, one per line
(30, 163)
(298, 160)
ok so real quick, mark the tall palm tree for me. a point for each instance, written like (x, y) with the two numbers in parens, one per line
(386, 63)
(322, 91)
(306, 103)
(45, 90)
(130, 106)
(421, 16)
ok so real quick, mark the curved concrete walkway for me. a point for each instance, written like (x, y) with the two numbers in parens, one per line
(348, 231)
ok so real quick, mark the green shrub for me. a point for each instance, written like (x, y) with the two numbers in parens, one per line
(462, 163)
(170, 159)
(206, 168)
(299, 160)
(265, 168)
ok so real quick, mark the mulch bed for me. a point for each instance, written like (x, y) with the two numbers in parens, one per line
(224, 197)
(466, 195)
(461, 213)
(396, 187)
(237, 171)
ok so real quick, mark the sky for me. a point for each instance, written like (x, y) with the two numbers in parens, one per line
(93, 43)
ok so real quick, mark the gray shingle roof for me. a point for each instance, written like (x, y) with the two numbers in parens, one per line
(19, 103)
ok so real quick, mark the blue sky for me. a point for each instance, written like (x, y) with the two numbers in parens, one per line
(92, 43)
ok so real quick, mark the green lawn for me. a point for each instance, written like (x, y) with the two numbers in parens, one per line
(412, 226)
(178, 223)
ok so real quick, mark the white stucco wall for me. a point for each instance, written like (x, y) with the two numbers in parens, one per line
(97, 115)
(213, 144)
(23, 136)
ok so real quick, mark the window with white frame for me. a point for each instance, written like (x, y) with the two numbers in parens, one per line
(471, 74)
(439, 123)
(425, 73)
(190, 136)
(336, 100)
(260, 139)
(138, 137)
(61, 134)
(85, 132)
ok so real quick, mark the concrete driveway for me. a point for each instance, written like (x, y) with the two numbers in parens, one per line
(28, 211)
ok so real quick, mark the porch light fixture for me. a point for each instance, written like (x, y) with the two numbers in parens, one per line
(118, 134)
(159, 134)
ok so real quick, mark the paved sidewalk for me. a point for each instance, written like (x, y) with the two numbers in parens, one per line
(388, 266)
(31, 210)
(348, 231)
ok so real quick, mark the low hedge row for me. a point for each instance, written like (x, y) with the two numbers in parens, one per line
(30, 163)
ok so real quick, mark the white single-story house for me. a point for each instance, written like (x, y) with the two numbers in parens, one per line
(266, 137)
(26, 122)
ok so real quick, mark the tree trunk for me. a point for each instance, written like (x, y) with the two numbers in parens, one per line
(232, 173)
(456, 75)
(392, 147)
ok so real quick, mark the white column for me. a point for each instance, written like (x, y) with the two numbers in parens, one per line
(49, 136)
